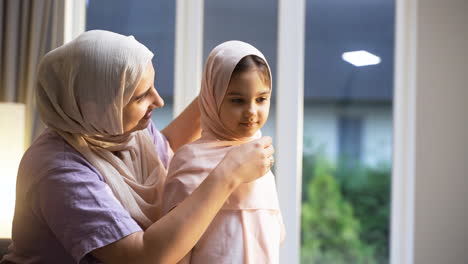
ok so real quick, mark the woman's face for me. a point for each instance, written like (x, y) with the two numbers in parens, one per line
(246, 105)
(137, 113)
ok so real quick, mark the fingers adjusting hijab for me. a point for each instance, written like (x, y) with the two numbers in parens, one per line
(82, 89)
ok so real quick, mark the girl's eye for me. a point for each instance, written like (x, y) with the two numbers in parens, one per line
(237, 100)
(261, 99)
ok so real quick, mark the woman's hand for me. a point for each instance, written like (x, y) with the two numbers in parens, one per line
(249, 161)
(174, 235)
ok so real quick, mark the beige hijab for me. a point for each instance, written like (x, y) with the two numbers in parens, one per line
(193, 162)
(81, 90)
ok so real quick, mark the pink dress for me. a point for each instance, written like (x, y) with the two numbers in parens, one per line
(248, 228)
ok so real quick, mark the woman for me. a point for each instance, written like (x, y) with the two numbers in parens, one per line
(89, 188)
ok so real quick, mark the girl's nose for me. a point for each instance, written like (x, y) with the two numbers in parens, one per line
(250, 112)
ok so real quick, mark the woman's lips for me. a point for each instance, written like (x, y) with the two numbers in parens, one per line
(148, 115)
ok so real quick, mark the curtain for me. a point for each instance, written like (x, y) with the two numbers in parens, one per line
(29, 29)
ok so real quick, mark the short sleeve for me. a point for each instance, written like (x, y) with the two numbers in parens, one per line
(80, 210)
(163, 148)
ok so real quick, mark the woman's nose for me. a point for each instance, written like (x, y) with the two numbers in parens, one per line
(158, 102)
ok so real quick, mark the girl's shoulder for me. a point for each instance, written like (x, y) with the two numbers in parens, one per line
(203, 148)
(188, 151)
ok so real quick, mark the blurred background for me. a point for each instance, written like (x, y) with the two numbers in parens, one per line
(374, 169)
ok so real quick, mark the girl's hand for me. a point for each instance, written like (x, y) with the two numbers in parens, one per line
(249, 161)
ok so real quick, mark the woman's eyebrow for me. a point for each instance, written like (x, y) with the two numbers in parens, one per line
(136, 97)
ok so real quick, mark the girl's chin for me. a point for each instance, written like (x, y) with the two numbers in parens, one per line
(244, 134)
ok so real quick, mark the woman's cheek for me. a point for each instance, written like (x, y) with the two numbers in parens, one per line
(133, 115)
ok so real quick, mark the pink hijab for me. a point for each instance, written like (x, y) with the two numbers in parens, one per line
(193, 162)
(82, 88)
(216, 76)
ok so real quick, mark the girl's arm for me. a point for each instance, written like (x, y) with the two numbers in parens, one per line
(174, 235)
(185, 128)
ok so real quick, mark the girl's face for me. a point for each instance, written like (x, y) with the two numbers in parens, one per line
(246, 105)
(137, 113)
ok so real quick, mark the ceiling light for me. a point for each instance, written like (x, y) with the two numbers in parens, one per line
(360, 58)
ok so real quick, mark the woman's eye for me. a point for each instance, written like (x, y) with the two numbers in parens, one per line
(141, 98)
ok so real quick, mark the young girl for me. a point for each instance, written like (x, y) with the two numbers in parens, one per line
(234, 105)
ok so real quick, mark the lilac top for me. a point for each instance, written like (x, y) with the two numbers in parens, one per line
(64, 209)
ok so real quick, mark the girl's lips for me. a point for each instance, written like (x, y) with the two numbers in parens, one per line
(249, 124)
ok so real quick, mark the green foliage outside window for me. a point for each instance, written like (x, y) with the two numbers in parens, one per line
(345, 213)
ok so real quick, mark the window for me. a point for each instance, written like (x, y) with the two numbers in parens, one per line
(349, 138)
(347, 108)
(347, 132)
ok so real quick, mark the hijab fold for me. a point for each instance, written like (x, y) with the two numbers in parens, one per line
(82, 89)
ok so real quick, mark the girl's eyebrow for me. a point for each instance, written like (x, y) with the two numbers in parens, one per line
(240, 94)
(264, 93)
(234, 93)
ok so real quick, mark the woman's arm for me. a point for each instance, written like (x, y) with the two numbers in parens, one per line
(185, 128)
(174, 235)
(186, 259)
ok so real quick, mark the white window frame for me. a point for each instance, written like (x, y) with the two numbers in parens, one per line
(404, 134)
(289, 121)
(72, 19)
(188, 63)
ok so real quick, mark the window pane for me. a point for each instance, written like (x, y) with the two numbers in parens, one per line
(347, 132)
(151, 22)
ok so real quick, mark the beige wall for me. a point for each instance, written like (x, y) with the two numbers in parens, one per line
(441, 145)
